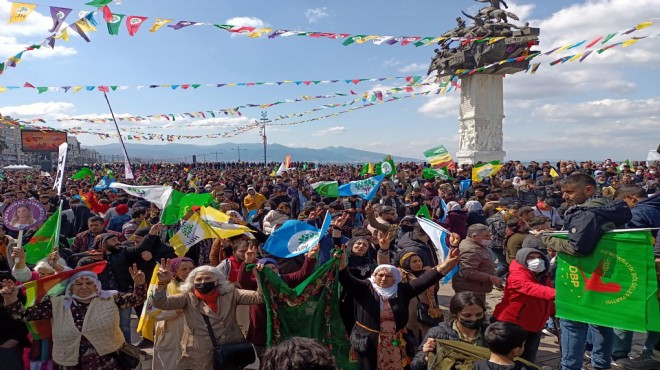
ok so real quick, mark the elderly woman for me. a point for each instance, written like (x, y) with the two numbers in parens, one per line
(85, 320)
(467, 324)
(169, 324)
(381, 312)
(206, 297)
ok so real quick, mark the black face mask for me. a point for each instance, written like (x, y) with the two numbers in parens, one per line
(472, 324)
(205, 288)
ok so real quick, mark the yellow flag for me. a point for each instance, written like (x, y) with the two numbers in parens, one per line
(85, 25)
(77, 88)
(160, 22)
(64, 35)
(219, 222)
(193, 231)
(576, 56)
(644, 25)
(259, 32)
(147, 322)
(3, 89)
(144, 223)
(20, 12)
(372, 169)
(629, 42)
(553, 173)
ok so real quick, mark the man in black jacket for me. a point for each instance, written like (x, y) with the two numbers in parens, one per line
(587, 219)
(115, 276)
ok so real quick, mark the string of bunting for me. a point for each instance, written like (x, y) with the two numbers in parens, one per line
(21, 11)
(372, 95)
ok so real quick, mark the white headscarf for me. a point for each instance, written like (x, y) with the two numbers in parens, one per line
(517, 182)
(453, 206)
(473, 206)
(68, 294)
(386, 293)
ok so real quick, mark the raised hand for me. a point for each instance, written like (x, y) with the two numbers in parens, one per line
(53, 258)
(450, 262)
(251, 254)
(343, 257)
(9, 291)
(454, 240)
(146, 255)
(384, 240)
(156, 229)
(18, 253)
(164, 272)
(313, 251)
(137, 275)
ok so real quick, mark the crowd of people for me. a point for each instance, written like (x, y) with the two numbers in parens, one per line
(389, 269)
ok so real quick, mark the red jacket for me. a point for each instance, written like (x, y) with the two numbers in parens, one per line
(527, 301)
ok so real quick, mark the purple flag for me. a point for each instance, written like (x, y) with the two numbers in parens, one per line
(51, 41)
(59, 15)
(276, 33)
(82, 33)
(182, 24)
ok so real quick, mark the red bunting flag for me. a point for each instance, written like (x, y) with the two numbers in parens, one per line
(27, 84)
(133, 23)
(107, 13)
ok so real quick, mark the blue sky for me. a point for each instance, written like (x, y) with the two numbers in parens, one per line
(607, 106)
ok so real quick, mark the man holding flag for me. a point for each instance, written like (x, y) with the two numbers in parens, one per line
(586, 220)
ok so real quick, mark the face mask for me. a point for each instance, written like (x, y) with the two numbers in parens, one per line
(536, 265)
(638, 173)
(601, 181)
(205, 288)
(486, 242)
(472, 324)
(652, 172)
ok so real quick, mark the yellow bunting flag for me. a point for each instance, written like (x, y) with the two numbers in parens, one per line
(3, 89)
(20, 12)
(260, 32)
(64, 35)
(644, 25)
(160, 22)
(553, 173)
(365, 39)
(85, 25)
(629, 42)
(576, 56)
(77, 88)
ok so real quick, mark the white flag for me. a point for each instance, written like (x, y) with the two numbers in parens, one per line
(156, 194)
(61, 162)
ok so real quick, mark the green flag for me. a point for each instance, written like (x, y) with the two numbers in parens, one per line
(430, 173)
(83, 173)
(326, 188)
(624, 163)
(115, 22)
(386, 167)
(309, 310)
(170, 214)
(191, 200)
(44, 240)
(424, 212)
(98, 3)
(615, 286)
(365, 169)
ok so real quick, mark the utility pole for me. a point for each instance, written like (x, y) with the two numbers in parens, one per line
(216, 155)
(264, 119)
(204, 156)
(238, 150)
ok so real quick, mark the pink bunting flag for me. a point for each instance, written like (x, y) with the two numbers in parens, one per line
(133, 23)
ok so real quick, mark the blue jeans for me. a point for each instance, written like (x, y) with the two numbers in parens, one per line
(502, 266)
(573, 341)
(125, 323)
(623, 343)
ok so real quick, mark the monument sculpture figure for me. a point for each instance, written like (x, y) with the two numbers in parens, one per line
(481, 110)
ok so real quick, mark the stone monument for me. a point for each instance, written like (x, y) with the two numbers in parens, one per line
(482, 93)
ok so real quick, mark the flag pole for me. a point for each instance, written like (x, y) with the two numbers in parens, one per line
(128, 172)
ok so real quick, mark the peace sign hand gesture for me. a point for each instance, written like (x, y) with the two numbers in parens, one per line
(137, 275)
(164, 273)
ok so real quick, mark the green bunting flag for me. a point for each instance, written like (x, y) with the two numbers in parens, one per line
(98, 3)
(115, 22)
(326, 188)
(44, 240)
(83, 173)
(430, 173)
(386, 167)
(179, 204)
(309, 310)
(615, 286)
(424, 212)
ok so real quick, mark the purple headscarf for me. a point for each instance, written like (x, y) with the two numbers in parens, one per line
(175, 262)
(266, 261)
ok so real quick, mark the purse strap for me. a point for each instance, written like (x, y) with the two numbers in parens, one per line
(210, 329)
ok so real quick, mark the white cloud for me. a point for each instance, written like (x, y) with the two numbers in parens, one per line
(442, 105)
(48, 109)
(335, 130)
(617, 110)
(414, 67)
(392, 62)
(245, 21)
(313, 15)
(596, 18)
(17, 36)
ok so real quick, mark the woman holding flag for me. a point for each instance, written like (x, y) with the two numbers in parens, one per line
(85, 320)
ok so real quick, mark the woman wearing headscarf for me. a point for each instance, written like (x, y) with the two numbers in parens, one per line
(476, 214)
(85, 320)
(361, 264)
(423, 311)
(456, 220)
(169, 324)
(381, 312)
(258, 320)
(206, 296)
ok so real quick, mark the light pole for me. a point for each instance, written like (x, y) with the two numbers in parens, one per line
(264, 119)
(238, 150)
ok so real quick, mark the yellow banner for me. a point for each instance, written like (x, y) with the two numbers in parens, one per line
(20, 12)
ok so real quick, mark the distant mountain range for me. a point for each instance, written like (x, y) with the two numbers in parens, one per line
(248, 152)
